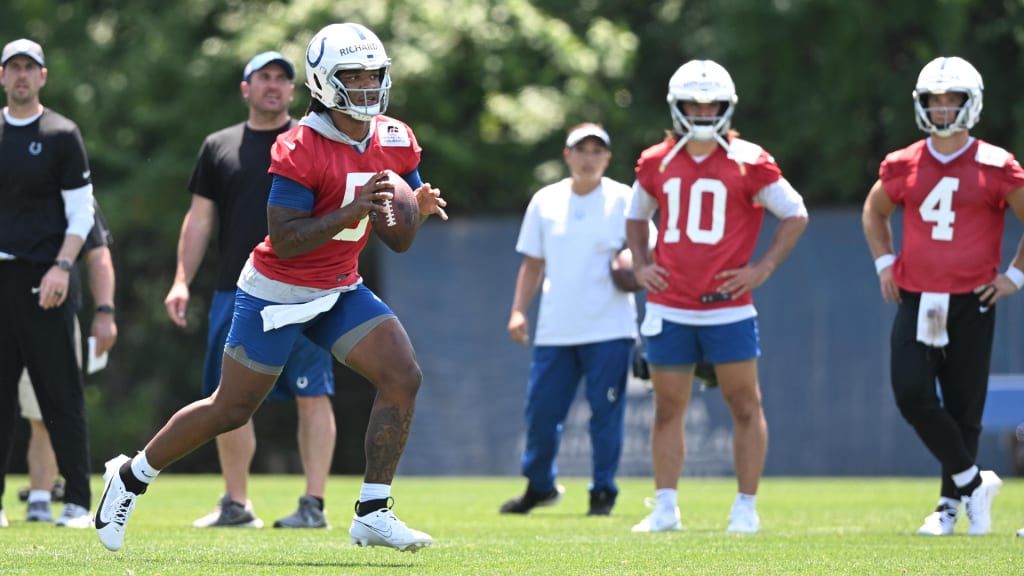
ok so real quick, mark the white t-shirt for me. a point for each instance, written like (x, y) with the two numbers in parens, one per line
(577, 237)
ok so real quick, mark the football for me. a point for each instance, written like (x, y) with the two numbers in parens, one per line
(622, 271)
(397, 227)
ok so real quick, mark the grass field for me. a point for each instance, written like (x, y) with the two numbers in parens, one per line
(815, 526)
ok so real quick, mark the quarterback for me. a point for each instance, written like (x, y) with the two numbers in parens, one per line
(328, 178)
(710, 189)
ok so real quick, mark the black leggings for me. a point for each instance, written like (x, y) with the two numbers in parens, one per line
(43, 342)
(949, 426)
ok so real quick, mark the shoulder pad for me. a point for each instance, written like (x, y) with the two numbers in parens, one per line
(991, 155)
(743, 151)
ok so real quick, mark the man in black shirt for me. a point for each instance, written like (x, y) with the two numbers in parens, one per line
(48, 211)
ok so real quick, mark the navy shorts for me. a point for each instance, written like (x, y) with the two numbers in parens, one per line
(680, 344)
(269, 350)
(308, 371)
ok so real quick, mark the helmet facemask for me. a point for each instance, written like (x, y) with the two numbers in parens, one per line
(347, 99)
(340, 48)
(701, 128)
(943, 76)
(704, 82)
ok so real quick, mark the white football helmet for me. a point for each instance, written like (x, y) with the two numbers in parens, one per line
(701, 81)
(943, 75)
(347, 46)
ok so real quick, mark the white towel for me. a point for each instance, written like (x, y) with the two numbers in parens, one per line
(280, 315)
(931, 319)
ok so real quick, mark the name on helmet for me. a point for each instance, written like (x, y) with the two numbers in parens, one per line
(367, 46)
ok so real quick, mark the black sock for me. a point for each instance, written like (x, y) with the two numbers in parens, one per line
(364, 508)
(132, 483)
(971, 486)
(319, 502)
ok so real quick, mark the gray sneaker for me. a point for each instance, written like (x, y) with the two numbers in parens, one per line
(309, 515)
(39, 512)
(230, 514)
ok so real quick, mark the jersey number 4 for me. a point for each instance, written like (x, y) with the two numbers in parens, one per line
(937, 208)
(704, 189)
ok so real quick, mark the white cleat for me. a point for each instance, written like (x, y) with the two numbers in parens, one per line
(74, 516)
(979, 503)
(3, 519)
(115, 506)
(939, 523)
(659, 520)
(383, 528)
(1020, 533)
(744, 520)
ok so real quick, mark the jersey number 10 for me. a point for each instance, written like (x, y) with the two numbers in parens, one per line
(703, 188)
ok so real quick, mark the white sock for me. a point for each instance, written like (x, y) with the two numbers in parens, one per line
(142, 470)
(374, 492)
(964, 478)
(38, 496)
(742, 499)
(667, 498)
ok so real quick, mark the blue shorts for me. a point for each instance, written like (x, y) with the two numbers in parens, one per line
(679, 344)
(308, 371)
(354, 314)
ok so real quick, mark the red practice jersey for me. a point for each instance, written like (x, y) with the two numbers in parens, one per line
(953, 215)
(708, 220)
(334, 172)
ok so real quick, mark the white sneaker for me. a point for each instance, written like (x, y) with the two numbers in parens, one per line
(939, 523)
(3, 519)
(979, 503)
(383, 528)
(74, 516)
(115, 506)
(743, 520)
(659, 520)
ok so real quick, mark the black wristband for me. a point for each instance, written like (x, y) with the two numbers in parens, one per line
(105, 309)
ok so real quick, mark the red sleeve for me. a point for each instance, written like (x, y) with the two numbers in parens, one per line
(893, 173)
(1012, 178)
(294, 157)
(762, 172)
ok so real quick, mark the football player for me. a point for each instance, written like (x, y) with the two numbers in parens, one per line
(710, 189)
(954, 190)
(328, 177)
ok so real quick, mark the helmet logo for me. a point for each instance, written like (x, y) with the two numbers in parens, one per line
(323, 40)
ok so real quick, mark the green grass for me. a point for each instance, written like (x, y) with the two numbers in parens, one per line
(814, 526)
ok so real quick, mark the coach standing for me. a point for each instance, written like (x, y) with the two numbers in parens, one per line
(47, 202)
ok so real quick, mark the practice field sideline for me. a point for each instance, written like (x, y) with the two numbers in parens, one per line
(818, 526)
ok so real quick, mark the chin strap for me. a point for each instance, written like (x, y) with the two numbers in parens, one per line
(682, 142)
(675, 150)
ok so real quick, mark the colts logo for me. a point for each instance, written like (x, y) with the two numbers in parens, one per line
(35, 148)
(309, 59)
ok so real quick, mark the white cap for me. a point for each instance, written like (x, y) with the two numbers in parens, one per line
(23, 47)
(587, 131)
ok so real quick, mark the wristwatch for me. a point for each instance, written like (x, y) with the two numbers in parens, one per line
(63, 265)
(105, 309)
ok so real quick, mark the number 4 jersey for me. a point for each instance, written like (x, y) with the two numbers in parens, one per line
(708, 220)
(953, 214)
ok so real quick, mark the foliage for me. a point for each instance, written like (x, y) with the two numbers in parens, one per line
(490, 87)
